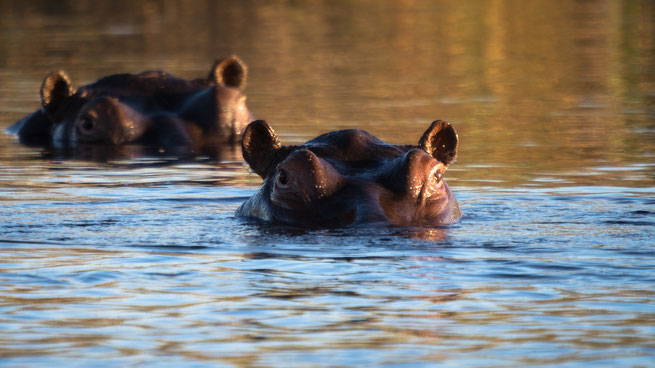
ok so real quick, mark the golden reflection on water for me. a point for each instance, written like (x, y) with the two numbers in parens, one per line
(532, 87)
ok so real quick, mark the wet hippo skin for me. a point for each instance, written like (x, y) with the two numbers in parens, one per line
(350, 177)
(152, 107)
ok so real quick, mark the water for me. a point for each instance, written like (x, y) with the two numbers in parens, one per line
(127, 259)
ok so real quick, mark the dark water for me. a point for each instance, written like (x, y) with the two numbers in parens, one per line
(127, 259)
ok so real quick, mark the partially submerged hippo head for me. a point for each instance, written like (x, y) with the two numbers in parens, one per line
(219, 112)
(350, 177)
(151, 107)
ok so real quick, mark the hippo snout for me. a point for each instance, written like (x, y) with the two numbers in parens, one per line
(302, 179)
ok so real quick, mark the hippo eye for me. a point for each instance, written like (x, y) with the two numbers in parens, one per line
(282, 178)
(87, 124)
(438, 175)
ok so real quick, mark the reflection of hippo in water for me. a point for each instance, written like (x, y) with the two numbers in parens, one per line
(349, 177)
(150, 108)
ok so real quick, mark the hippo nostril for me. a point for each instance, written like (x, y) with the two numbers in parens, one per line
(282, 178)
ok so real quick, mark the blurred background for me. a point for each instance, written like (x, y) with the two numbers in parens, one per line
(533, 88)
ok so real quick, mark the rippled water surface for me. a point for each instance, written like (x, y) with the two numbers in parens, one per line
(127, 258)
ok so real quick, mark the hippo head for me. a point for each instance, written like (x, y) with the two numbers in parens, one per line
(88, 115)
(350, 177)
(151, 107)
(219, 113)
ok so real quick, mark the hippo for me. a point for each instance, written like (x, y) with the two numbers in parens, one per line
(350, 177)
(151, 107)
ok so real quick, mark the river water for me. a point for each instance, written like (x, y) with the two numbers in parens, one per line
(124, 258)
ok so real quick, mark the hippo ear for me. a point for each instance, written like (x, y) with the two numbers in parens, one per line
(229, 72)
(56, 91)
(258, 146)
(440, 140)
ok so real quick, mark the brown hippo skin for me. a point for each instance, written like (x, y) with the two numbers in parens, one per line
(152, 107)
(350, 177)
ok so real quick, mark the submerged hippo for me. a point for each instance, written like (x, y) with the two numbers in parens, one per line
(151, 108)
(351, 177)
